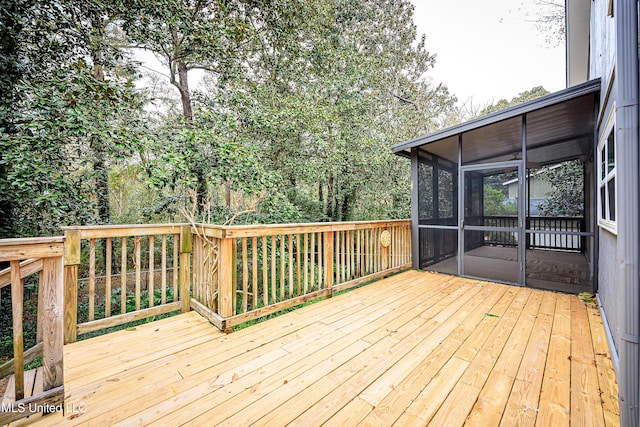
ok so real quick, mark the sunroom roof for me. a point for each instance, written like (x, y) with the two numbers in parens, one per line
(558, 126)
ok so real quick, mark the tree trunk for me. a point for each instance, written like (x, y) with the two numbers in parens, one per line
(101, 176)
(185, 94)
(331, 198)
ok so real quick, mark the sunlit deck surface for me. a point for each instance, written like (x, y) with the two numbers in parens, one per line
(414, 349)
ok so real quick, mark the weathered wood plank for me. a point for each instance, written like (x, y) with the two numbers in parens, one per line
(52, 332)
(31, 247)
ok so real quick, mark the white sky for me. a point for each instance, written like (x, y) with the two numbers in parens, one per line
(488, 50)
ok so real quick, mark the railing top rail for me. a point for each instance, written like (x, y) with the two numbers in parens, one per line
(31, 247)
(226, 231)
(124, 230)
(31, 240)
(230, 231)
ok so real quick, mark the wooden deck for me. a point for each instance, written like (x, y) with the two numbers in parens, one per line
(414, 349)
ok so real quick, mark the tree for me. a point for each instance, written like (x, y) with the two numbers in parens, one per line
(550, 20)
(567, 195)
(73, 109)
(328, 118)
(527, 95)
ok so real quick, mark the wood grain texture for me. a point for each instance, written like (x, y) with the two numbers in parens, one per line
(52, 332)
(17, 309)
(410, 349)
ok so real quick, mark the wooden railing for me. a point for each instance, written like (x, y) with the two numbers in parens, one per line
(229, 274)
(242, 273)
(27, 257)
(119, 274)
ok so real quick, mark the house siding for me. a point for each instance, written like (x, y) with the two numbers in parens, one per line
(607, 274)
(602, 64)
(602, 43)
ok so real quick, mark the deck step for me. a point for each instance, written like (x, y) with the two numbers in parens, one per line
(32, 386)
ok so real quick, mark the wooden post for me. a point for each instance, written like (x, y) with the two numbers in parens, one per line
(328, 260)
(52, 332)
(17, 302)
(226, 269)
(71, 262)
(384, 249)
(186, 246)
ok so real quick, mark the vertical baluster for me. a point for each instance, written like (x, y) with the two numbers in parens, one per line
(245, 275)
(338, 266)
(107, 286)
(265, 272)
(306, 263)
(175, 267)
(274, 298)
(150, 284)
(92, 278)
(350, 268)
(123, 276)
(163, 282)
(320, 265)
(313, 261)
(343, 258)
(282, 271)
(254, 272)
(290, 252)
(137, 244)
(298, 263)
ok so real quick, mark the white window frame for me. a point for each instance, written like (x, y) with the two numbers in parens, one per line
(604, 218)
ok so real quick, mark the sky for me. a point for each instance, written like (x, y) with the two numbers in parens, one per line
(488, 50)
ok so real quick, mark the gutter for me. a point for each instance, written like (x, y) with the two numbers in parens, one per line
(627, 176)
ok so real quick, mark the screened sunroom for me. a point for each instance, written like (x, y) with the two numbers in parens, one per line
(510, 197)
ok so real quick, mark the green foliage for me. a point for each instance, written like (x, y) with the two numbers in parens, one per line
(495, 203)
(300, 103)
(522, 97)
(567, 195)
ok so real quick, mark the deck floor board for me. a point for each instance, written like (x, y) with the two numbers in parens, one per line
(416, 348)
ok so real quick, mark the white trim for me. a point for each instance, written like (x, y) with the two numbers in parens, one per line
(604, 220)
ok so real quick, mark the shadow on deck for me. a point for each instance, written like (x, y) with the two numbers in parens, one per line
(412, 349)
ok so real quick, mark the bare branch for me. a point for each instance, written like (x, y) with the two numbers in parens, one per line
(405, 100)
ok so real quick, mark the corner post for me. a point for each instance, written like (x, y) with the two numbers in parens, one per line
(328, 260)
(415, 212)
(186, 247)
(71, 263)
(52, 328)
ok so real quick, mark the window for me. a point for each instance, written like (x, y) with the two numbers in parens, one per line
(607, 180)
